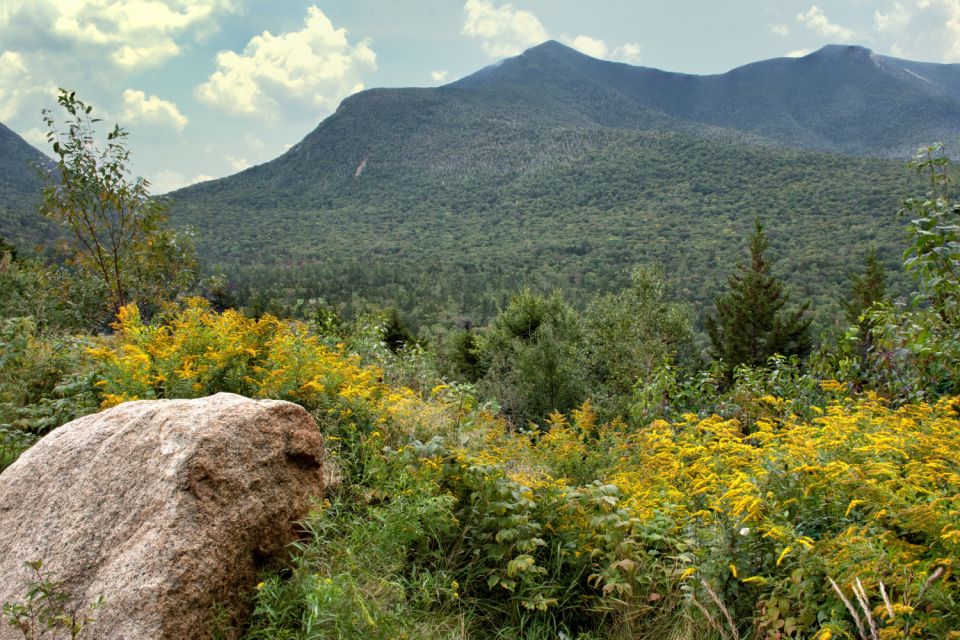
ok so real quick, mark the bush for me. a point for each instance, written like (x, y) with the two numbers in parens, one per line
(193, 351)
(45, 381)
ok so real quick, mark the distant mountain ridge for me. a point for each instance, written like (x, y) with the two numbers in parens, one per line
(555, 169)
(841, 98)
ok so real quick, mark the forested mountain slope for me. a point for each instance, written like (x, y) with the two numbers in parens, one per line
(553, 169)
(439, 243)
(20, 185)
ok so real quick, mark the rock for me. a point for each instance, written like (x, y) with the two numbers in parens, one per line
(163, 507)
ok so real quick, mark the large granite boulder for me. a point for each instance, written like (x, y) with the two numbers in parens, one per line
(165, 508)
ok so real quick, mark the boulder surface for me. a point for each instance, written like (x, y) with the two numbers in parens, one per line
(166, 508)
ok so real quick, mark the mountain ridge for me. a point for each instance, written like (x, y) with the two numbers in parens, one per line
(554, 169)
(648, 99)
(792, 87)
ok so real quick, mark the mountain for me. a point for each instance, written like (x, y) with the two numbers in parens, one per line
(20, 185)
(554, 169)
(840, 98)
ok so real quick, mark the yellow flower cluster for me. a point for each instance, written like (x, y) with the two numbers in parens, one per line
(862, 491)
(195, 351)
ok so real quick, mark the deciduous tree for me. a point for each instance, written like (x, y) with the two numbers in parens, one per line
(118, 232)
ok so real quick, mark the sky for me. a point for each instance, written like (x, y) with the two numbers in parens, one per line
(207, 88)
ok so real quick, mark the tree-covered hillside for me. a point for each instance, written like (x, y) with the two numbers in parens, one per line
(20, 189)
(575, 210)
(553, 169)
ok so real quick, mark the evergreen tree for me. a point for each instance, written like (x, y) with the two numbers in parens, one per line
(750, 323)
(7, 248)
(867, 289)
(396, 335)
(531, 356)
(463, 354)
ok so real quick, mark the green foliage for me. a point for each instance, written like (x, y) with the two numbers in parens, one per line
(7, 250)
(629, 335)
(351, 580)
(118, 232)
(461, 349)
(48, 611)
(531, 356)
(933, 257)
(543, 209)
(45, 381)
(56, 297)
(866, 290)
(396, 335)
(915, 351)
(451, 525)
(217, 291)
(750, 324)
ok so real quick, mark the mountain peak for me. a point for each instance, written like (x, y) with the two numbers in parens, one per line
(550, 46)
(548, 59)
(840, 50)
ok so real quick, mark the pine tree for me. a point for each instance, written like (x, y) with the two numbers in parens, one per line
(750, 324)
(532, 357)
(866, 290)
(7, 248)
(463, 354)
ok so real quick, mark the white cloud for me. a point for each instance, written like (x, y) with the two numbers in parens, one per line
(895, 19)
(920, 29)
(91, 45)
(168, 180)
(138, 107)
(128, 56)
(35, 136)
(439, 76)
(315, 67)
(817, 21)
(130, 33)
(585, 44)
(502, 30)
(18, 85)
(238, 164)
(779, 29)
(629, 53)
(796, 53)
(597, 48)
